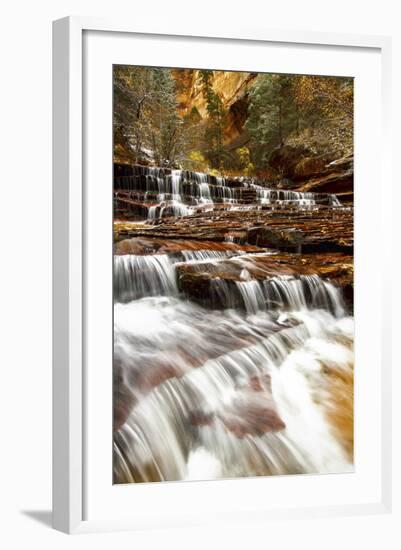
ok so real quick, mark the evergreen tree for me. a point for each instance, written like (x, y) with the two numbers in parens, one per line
(273, 115)
(214, 147)
(163, 117)
(145, 114)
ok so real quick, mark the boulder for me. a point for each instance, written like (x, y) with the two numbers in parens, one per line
(284, 159)
(286, 239)
(339, 182)
(309, 166)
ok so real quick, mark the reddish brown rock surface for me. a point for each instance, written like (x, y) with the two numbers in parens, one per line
(145, 245)
(195, 279)
(325, 229)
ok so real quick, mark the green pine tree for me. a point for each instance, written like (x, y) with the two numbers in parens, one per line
(214, 146)
(272, 115)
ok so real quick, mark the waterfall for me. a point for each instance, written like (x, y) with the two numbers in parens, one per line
(284, 197)
(263, 195)
(152, 212)
(205, 192)
(239, 398)
(224, 392)
(154, 275)
(334, 201)
(191, 256)
(302, 292)
(138, 276)
(164, 192)
(252, 296)
(175, 185)
(226, 363)
(284, 292)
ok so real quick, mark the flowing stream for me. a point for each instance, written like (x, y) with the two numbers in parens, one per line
(160, 193)
(253, 382)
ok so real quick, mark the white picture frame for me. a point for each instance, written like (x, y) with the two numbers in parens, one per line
(70, 425)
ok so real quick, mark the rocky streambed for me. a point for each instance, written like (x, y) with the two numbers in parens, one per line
(233, 328)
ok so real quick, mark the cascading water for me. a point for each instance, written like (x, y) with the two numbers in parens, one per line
(138, 276)
(175, 184)
(182, 193)
(228, 360)
(208, 393)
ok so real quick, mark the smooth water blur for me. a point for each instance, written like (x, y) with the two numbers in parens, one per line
(203, 393)
(182, 193)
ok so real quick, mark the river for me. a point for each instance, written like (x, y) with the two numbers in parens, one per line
(251, 375)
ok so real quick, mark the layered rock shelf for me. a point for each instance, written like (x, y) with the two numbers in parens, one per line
(198, 281)
(256, 230)
(223, 286)
(306, 172)
(143, 246)
(324, 230)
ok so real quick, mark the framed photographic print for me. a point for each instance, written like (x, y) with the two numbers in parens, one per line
(220, 340)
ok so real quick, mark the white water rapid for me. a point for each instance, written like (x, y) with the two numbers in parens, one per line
(163, 192)
(255, 387)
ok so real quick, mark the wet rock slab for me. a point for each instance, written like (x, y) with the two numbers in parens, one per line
(196, 280)
(319, 230)
(146, 245)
